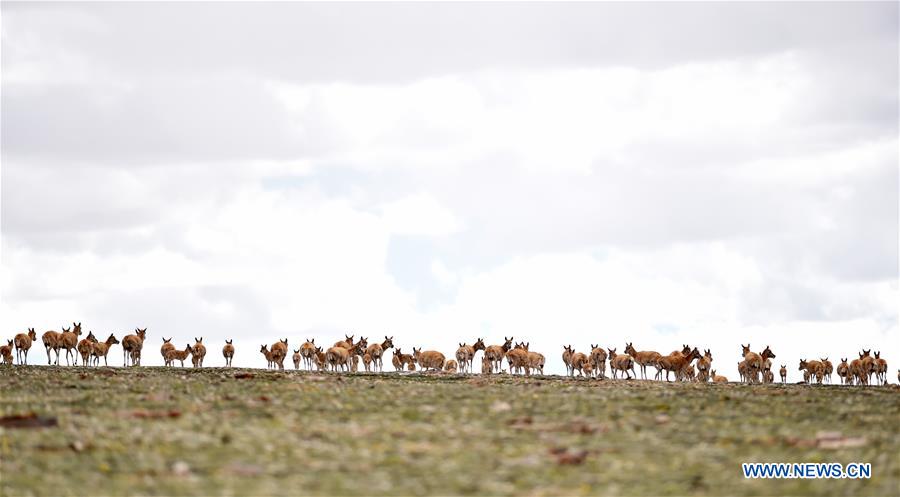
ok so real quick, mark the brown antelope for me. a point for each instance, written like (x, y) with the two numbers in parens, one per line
(264, 350)
(677, 362)
(496, 353)
(881, 368)
(783, 373)
(430, 359)
(367, 362)
(518, 360)
(321, 365)
(579, 361)
(450, 367)
(487, 367)
(165, 348)
(805, 376)
(198, 352)
(400, 360)
(621, 362)
(411, 366)
(598, 361)
(465, 355)
(767, 375)
(868, 365)
(178, 355)
(828, 369)
(718, 379)
(23, 342)
(814, 368)
(346, 343)
(643, 358)
(843, 372)
(279, 352)
(308, 351)
(296, 357)
(860, 369)
(568, 352)
(703, 366)
(755, 362)
(69, 340)
(6, 352)
(85, 347)
(354, 363)
(228, 352)
(376, 350)
(132, 345)
(51, 340)
(100, 349)
(536, 360)
(341, 357)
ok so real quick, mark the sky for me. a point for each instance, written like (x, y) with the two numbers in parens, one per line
(706, 173)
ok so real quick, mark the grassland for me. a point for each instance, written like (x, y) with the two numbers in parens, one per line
(155, 431)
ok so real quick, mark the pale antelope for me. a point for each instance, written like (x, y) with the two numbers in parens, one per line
(518, 360)
(51, 340)
(450, 366)
(718, 379)
(814, 368)
(401, 360)
(6, 352)
(843, 372)
(828, 368)
(198, 352)
(598, 361)
(568, 352)
(279, 352)
(85, 347)
(703, 366)
(783, 373)
(376, 351)
(69, 340)
(536, 360)
(264, 350)
(165, 348)
(465, 355)
(308, 351)
(621, 362)
(297, 357)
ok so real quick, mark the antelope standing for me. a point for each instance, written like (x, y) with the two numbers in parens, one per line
(465, 355)
(69, 340)
(814, 368)
(279, 352)
(430, 359)
(100, 349)
(6, 352)
(567, 354)
(496, 353)
(297, 357)
(843, 372)
(643, 358)
(678, 361)
(376, 351)
(198, 352)
(828, 368)
(132, 345)
(536, 360)
(264, 350)
(308, 351)
(174, 354)
(621, 362)
(51, 341)
(400, 360)
(518, 360)
(598, 361)
(703, 366)
(881, 368)
(85, 347)
(23, 342)
(783, 373)
(578, 362)
(228, 352)
(165, 348)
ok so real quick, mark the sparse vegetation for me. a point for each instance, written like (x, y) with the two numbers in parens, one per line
(217, 431)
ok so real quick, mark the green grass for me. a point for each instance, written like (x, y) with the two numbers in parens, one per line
(155, 431)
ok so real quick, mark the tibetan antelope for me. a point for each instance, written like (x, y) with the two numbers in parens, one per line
(69, 340)
(814, 368)
(536, 360)
(308, 351)
(621, 362)
(567, 354)
(198, 352)
(165, 348)
(51, 340)
(85, 347)
(174, 354)
(450, 366)
(340, 357)
(598, 361)
(132, 345)
(496, 353)
(297, 357)
(228, 352)
(828, 368)
(279, 352)
(843, 372)
(376, 351)
(678, 361)
(346, 343)
(881, 368)
(716, 378)
(487, 367)
(264, 350)
(643, 358)
(101, 349)
(6, 352)
(518, 360)
(783, 373)
(23, 342)
(579, 362)
(402, 360)
(703, 366)
(465, 355)
(321, 365)
(430, 359)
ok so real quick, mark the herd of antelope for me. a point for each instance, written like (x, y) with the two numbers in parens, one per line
(687, 364)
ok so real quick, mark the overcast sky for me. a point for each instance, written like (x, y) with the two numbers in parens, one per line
(709, 174)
